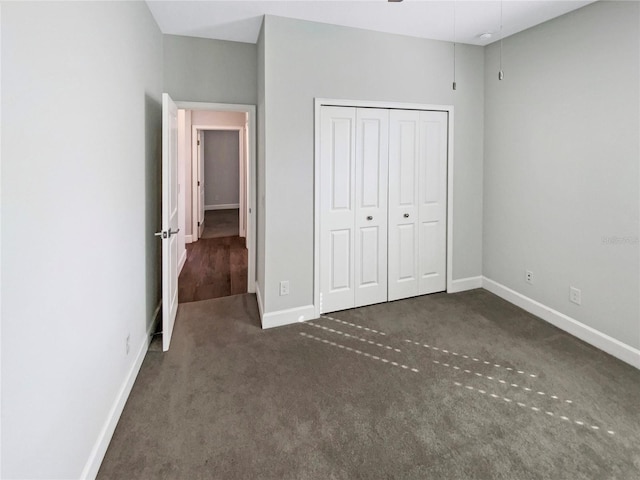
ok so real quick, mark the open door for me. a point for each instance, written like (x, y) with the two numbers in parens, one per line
(201, 185)
(169, 218)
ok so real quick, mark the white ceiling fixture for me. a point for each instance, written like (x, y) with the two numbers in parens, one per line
(455, 11)
(500, 72)
(240, 20)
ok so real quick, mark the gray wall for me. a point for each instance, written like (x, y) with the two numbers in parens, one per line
(304, 60)
(204, 70)
(81, 85)
(561, 165)
(221, 167)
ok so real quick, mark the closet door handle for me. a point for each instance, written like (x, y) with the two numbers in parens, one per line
(406, 215)
(369, 218)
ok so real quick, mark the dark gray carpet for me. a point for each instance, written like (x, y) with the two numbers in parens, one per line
(221, 223)
(231, 401)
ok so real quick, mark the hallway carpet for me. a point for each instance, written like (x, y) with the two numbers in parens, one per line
(221, 223)
(461, 386)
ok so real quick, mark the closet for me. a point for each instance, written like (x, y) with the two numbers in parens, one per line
(383, 181)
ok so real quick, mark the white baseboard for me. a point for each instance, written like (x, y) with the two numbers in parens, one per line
(222, 206)
(464, 284)
(588, 334)
(259, 300)
(182, 261)
(188, 239)
(99, 449)
(289, 316)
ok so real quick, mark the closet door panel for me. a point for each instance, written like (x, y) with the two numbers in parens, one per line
(372, 154)
(340, 257)
(370, 274)
(337, 208)
(406, 258)
(404, 168)
(433, 201)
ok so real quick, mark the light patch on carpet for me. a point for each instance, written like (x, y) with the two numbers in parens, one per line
(364, 354)
(354, 325)
(514, 385)
(338, 332)
(467, 357)
(532, 408)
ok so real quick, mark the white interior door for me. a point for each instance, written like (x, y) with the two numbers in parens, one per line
(404, 162)
(433, 202)
(417, 203)
(337, 207)
(372, 155)
(169, 218)
(201, 185)
(383, 204)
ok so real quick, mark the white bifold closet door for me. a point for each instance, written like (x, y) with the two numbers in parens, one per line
(353, 206)
(417, 202)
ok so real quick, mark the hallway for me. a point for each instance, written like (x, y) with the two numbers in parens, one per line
(216, 264)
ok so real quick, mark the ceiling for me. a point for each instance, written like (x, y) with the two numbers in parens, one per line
(240, 20)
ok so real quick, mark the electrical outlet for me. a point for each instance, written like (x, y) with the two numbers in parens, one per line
(127, 347)
(575, 295)
(284, 287)
(528, 276)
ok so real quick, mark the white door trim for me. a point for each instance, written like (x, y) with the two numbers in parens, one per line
(195, 166)
(196, 148)
(320, 102)
(250, 110)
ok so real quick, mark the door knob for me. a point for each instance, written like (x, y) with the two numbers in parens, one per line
(406, 215)
(369, 217)
(166, 233)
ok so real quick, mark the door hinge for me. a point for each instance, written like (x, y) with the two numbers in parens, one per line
(198, 142)
(198, 182)
(198, 223)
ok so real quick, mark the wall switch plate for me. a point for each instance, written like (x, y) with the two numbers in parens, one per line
(575, 295)
(528, 276)
(284, 287)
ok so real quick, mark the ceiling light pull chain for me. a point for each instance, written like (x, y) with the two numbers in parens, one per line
(500, 72)
(454, 44)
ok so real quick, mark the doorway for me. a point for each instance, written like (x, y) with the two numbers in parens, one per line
(217, 163)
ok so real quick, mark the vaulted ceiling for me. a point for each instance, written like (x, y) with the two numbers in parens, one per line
(240, 20)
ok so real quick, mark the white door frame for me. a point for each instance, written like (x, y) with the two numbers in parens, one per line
(196, 175)
(250, 110)
(195, 166)
(320, 102)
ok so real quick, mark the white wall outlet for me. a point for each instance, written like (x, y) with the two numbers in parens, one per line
(575, 295)
(528, 276)
(126, 343)
(284, 287)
